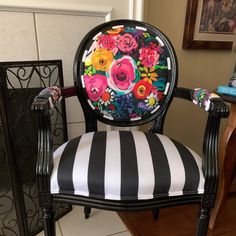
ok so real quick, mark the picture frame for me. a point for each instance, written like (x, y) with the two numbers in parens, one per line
(196, 31)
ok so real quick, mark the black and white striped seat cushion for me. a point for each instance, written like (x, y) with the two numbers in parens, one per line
(126, 165)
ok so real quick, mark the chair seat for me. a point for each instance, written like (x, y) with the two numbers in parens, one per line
(126, 165)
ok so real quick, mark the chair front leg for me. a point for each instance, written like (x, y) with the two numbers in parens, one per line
(203, 220)
(204, 214)
(46, 204)
(48, 221)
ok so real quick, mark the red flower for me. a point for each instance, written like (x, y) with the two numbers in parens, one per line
(107, 41)
(111, 107)
(142, 89)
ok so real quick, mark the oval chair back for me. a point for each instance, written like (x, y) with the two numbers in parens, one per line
(125, 72)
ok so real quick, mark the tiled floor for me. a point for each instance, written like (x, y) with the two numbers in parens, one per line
(100, 223)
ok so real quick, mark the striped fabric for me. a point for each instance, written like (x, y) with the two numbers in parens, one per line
(126, 165)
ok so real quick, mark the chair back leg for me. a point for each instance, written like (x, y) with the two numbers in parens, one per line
(87, 211)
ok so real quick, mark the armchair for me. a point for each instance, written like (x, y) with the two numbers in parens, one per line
(125, 74)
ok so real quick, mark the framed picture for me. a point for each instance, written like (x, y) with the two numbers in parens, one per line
(210, 24)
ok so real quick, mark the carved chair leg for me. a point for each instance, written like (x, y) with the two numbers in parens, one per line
(203, 221)
(207, 204)
(49, 222)
(87, 211)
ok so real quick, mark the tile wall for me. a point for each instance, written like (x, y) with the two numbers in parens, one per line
(38, 36)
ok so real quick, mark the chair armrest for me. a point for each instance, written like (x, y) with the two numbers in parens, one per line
(183, 93)
(205, 99)
(47, 98)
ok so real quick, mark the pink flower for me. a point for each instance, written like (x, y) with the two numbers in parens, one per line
(148, 57)
(95, 86)
(127, 43)
(122, 73)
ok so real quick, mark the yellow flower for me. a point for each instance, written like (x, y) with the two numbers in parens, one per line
(102, 59)
(149, 75)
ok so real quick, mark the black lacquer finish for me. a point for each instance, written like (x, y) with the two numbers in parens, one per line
(206, 201)
(19, 83)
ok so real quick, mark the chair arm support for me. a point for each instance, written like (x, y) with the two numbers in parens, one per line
(210, 152)
(42, 105)
(216, 109)
(44, 163)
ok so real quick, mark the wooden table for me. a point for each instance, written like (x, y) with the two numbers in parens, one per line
(227, 161)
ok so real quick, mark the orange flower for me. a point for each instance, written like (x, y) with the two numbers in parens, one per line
(102, 59)
(149, 75)
(115, 30)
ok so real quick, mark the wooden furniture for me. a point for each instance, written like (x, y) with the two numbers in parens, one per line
(227, 160)
(179, 218)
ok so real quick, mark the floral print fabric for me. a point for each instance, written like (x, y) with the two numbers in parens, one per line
(203, 97)
(125, 73)
(52, 94)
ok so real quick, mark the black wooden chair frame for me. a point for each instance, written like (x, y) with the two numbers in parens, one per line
(217, 111)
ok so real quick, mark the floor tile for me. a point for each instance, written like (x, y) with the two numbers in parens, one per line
(58, 231)
(123, 233)
(100, 223)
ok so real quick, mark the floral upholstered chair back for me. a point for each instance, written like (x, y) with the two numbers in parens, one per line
(126, 71)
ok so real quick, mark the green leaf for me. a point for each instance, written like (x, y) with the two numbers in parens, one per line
(160, 67)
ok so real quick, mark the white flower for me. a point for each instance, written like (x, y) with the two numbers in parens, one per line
(151, 100)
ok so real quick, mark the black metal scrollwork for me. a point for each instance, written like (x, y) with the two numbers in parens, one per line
(24, 80)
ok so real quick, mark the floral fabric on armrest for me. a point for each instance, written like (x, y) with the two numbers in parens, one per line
(48, 96)
(202, 97)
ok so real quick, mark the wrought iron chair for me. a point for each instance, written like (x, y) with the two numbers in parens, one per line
(125, 74)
